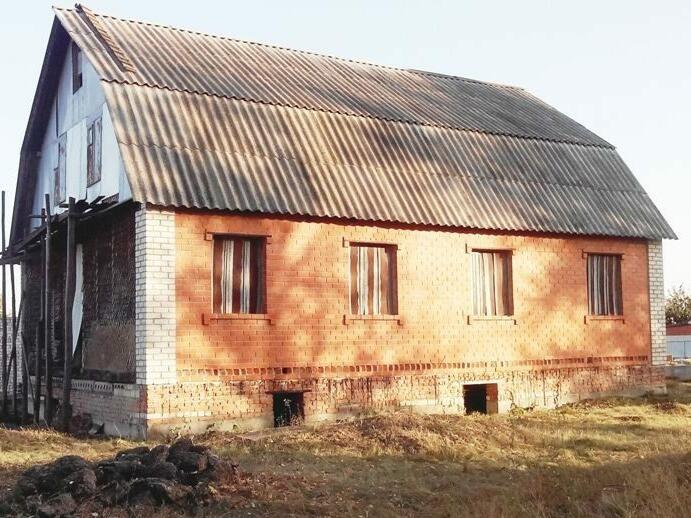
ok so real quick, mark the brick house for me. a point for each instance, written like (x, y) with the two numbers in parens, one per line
(270, 233)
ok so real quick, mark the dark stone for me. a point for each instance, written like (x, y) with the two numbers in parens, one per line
(138, 451)
(60, 505)
(188, 461)
(31, 503)
(157, 454)
(6, 509)
(49, 478)
(156, 491)
(82, 483)
(200, 448)
(116, 470)
(69, 464)
(28, 482)
(114, 492)
(164, 470)
(181, 445)
(130, 457)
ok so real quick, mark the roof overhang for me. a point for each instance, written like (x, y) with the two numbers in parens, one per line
(33, 136)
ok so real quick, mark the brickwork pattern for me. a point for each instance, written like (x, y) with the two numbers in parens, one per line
(307, 298)
(107, 332)
(155, 326)
(658, 331)
(119, 407)
(196, 406)
(109, 297)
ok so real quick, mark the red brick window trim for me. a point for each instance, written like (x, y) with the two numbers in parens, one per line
(213, 318)
(587, 319)
(350, 319)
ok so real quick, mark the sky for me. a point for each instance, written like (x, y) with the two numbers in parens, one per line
(619, 67)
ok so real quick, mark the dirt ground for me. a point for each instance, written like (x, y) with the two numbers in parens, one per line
(614, 457)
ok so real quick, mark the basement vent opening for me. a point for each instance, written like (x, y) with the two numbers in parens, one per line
(480, 398)
(289, 408)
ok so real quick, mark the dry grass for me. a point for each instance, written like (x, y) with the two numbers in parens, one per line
(615, 457)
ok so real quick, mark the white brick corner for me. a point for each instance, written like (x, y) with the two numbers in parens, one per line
(155, 324)
(658, 331)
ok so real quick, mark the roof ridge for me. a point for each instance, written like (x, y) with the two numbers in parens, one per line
(298, 51)
(103, 36)
(464, 79)
(605, 145)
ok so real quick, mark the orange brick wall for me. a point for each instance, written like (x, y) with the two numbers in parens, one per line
(307, 297)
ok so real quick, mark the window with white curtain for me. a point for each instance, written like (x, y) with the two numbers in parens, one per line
(373, 280)
(604, 285)
(492, 284)
(239, 275)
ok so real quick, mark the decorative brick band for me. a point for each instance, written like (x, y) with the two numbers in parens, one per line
(257, 373)
(656, 284)
(155, 325)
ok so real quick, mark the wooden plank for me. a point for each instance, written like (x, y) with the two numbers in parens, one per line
(26, 381)
(26, 386)
(39, 336)
(5, 372)
(16, 317)
(70, 286)
(48, 403)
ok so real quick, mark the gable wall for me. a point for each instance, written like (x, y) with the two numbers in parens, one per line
(70, 115)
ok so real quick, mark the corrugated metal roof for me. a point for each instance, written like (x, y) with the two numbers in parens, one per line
(177, 59)
(215, 123)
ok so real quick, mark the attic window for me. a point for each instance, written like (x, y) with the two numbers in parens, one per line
(76, 68)
(93, 152)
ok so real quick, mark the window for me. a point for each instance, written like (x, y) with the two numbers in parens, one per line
(492, 286)
(93, 152)
(604, 285)
(238, 275)
(60, 172)
(373, 280)
(76, 68)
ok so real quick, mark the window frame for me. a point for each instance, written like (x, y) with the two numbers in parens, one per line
(60, 172)
(393, 251)
(604, 316)
(263, 241)
(473, 314)
(94, 151)
(77, 70)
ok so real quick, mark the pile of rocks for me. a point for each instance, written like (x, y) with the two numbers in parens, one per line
(183, 474)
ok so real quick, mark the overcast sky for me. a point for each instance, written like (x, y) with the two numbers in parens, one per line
(620, 67)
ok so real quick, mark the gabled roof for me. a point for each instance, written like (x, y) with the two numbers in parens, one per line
(211, 122)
